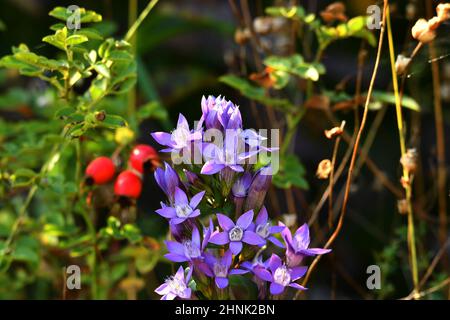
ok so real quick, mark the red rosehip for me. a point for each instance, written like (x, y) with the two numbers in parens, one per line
(128, 185)
(141, 155)
(100, 170)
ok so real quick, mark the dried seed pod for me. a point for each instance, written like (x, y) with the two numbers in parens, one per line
(262, 25)
(405, 182)
(434, 23)
(402, 206)
(334, 12)
(421, 31)
(241, 36)
(334, 132)
(443, 11)
(409, 160)
(324, 169)
(401, 64)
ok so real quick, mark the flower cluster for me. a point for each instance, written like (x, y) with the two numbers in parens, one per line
(227, 193)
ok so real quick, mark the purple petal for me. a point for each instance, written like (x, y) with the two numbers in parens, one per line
(163, 289)
(210, 167)
(276, 229)
(220, 238)
(195, 200)
(180, 274)
(167, 212)
(225, 223)
(163, 138)
(276, 288)
(297, 286)
(180, 196)
(177, 220)
(227, 259)
(169, 296)
(301, 237)
(262, 216)
(238, 271)
(194, 213)
(203, 267)
(236, 168)
(196, 237)
(314, 251)
(174, 247)
(176, 257)
(221, 282)
(298, 272)
(263, 274)
(274, 262)
(253, 238)
(182, 122)
(276, 242)
(245, 220)
(235, 247)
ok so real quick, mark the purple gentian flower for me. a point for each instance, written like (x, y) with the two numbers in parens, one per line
(189, 250)
(264, 228)
(297, 246)
(176, 286)
(167, 180)
(280, 275)
(182, 208)
(219, 268)
(235, 234)
(218, 113)
(180, 138)
(227, 156)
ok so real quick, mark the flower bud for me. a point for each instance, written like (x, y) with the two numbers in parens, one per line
(239, 191)
(443, 11)
(323, 169)
(258, 189)
(421, 31)
(409, 160)
(401, 64)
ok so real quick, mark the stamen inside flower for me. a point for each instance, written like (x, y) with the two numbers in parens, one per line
(183, 210)
(220, 270)
(263, 230)
(177, 286)
(282, 276)
(190, 250)
(236, 234)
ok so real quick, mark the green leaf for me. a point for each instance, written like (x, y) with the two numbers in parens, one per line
(295, 12)
(102, 69)
(152, 109)
(114, 122)
(76, 39)
(98, 88)
(291, 173)
(86, 16)
(256, 93)
(379, 97)
(295, 65)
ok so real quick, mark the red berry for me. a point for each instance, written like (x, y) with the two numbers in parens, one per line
(101, 170)
(140, 155)
(128, 184)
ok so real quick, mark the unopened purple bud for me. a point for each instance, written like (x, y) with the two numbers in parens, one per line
(191, 177)
(240, 187)
(258, 189)
(227, 177)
